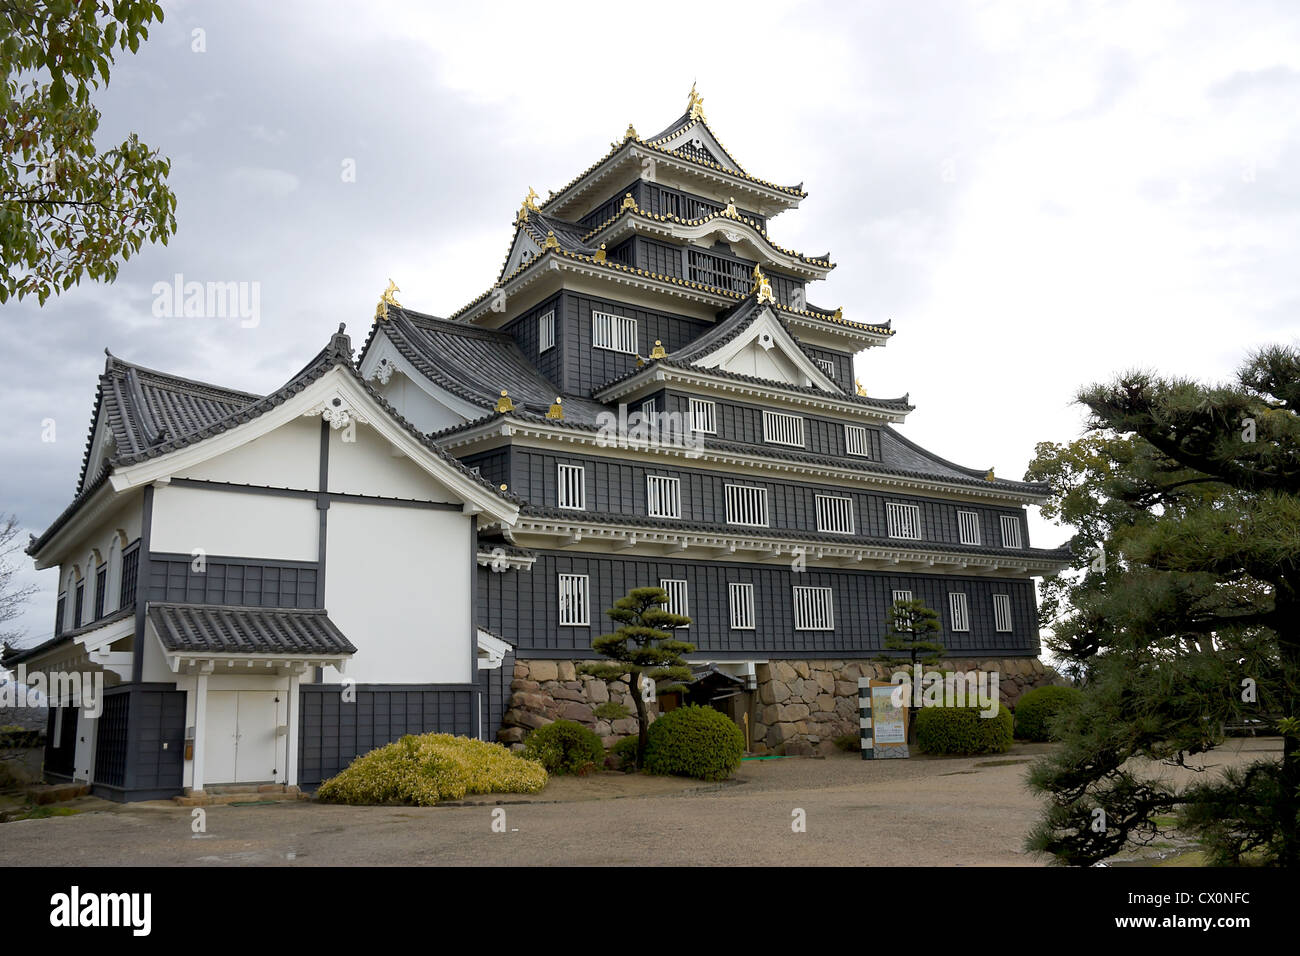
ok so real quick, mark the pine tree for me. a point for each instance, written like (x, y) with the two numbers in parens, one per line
(644, 646)
(1186, 615)
(910, 625)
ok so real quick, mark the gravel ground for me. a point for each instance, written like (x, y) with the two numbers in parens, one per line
(945, 812)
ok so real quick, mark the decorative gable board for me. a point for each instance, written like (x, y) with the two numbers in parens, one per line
(765, 349)
(695, 141)
(423, 403)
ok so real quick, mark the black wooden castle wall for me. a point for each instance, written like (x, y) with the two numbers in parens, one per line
(524, 605)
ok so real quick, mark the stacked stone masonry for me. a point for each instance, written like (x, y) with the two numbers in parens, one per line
(798, 707)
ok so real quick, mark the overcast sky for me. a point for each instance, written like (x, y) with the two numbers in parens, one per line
(1039, 195)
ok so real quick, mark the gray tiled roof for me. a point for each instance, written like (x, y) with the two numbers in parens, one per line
(219, 629)
(567, 234)
(475, 363)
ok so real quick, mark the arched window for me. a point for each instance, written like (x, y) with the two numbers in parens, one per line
(72, 605)
(88, 609)
(113, 579)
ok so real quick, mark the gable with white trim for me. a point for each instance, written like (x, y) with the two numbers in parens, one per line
(766, 350)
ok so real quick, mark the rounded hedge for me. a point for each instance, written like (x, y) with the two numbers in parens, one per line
(565, 746)
(625, 751)
(1035, 710)
(962, 730)
(694, 741)
(422, 770)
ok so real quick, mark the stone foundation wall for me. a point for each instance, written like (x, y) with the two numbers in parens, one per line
(799, 707)
(545, 691)
(802, 706)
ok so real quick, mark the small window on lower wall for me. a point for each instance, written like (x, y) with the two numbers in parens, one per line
(855, 441)
(546, 331)
(572, 487)
(1010, 531)
(813, 610)
(574, 592)
(960, 612)
(663, 497)
(742, 606)
(1002, 612)
(902, 597)
(677, 603)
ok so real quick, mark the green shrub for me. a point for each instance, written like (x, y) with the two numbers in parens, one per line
(849, 742)
(962, 730)
(565, 746)
(1035, 710)
(694, 741)
(625, 751)
(13, 737)
(422, 770)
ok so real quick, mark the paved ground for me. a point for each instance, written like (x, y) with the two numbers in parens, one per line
(947, 812)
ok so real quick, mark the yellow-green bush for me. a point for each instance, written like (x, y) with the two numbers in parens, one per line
(422, 770)
(962, 730)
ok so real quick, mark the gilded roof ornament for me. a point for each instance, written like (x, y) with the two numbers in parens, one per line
(989, 476)
(862, 389)
(658, 351)
(529, 205)
(387, 299)
(551, 241)
(628, 202)
(762, 286)
(695, 104)
(631, 132)
(504, 404)
(731, 209)
(839, 314)
(557, 409)
(600, 253)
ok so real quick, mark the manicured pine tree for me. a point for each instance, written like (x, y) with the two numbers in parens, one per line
(910, 625)
(643, 646)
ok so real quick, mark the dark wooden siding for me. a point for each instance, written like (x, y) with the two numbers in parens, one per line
(659, 257)
(230, 580)
(140, 744)
(619, 487)
(523, 606)
(742, 422)
(587, 368)
(524, 331)
(843, 362)
(493, 466)
(332, 733)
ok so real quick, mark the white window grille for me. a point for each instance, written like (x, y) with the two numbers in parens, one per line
(827, 366)
(663, 497)
(1010, 531)
(742, 606)
(904, 520)
(855, 441)
(1002, 612)
(902, 597)
(614, 332)
(747, 505)
(704, 416)
(546, 331)
(834, 514)
(960, 613)
(968, 526)
(813, 609)
(782, 429)
(572, 486)
(574, 592)
(677, 603)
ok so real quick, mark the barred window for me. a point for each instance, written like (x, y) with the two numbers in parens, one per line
(614, 332)
(101, 579)
(827, 366)
(960, 613)
(904, 520)
(968, 526)
(855, 441)
(1010, 531)
(1002, 612)
(572, 487)
(130, 565)
(742, 606)
(834, 514)
(78, 601)
(747, 505)
(663, 497)
(813, 609)
(782, 429)
(574, 589)
(677, 603)
(60, 608)
(703, 416)
(902, 597)
(546, 331)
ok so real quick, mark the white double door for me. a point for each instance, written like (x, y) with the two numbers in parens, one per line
(242, 737)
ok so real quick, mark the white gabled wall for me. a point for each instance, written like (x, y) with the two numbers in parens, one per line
(284, 458)
(368, 465)
(398, 583)
(234, 523)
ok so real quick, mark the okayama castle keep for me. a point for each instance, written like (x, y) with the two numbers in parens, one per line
(424, 534)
